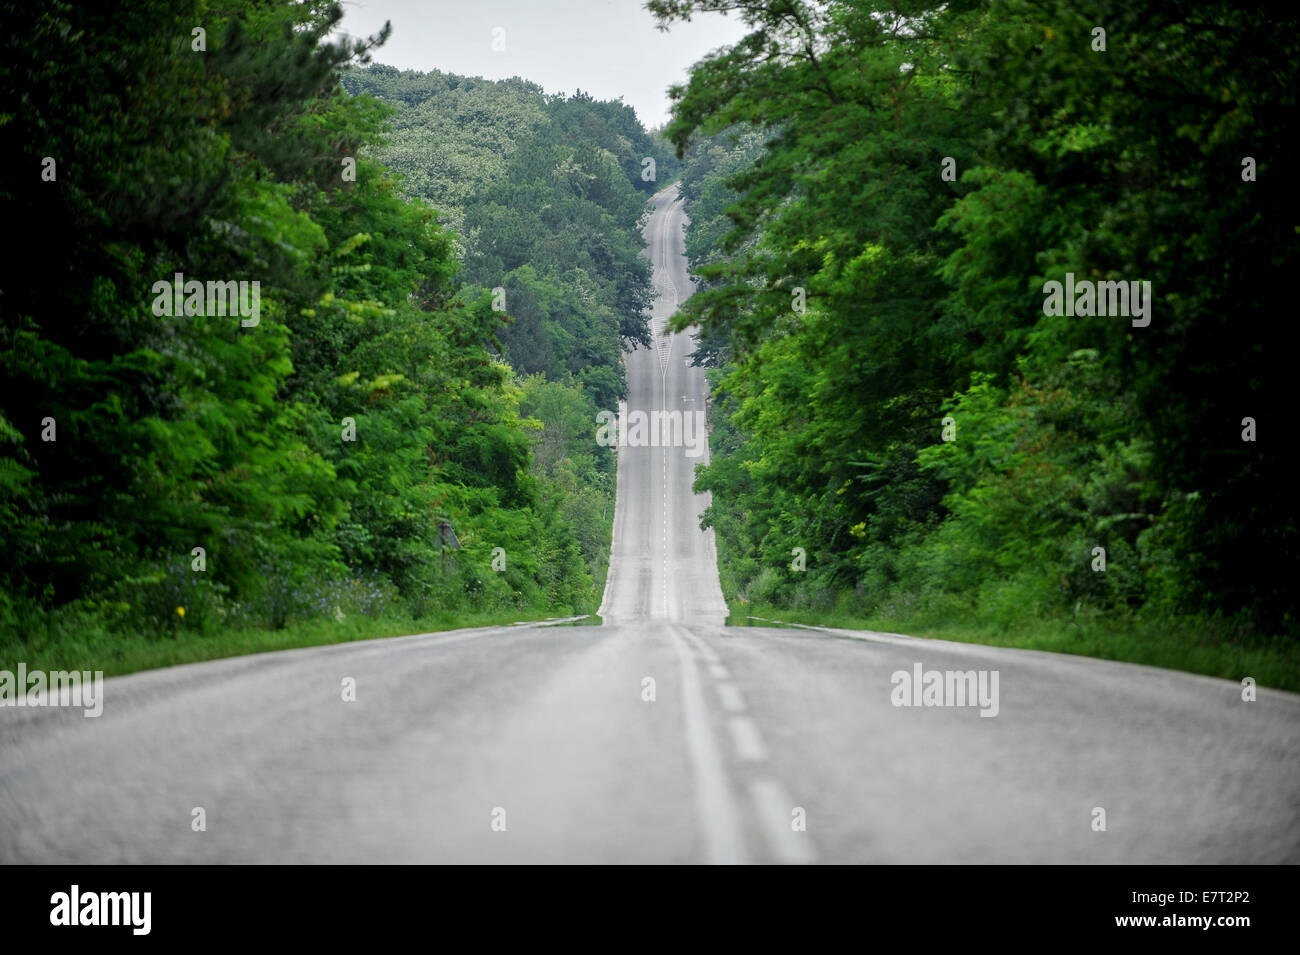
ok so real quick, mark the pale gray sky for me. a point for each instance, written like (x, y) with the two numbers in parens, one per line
(608, 48)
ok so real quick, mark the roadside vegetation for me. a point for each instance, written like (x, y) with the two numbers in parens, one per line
(910, 427)
(391, 430)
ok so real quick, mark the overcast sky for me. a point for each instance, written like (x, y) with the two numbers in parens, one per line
(608, 48)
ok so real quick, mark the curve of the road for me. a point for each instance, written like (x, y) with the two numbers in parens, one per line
(661, 736)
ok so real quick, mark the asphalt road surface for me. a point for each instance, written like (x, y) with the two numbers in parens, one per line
(546, 744)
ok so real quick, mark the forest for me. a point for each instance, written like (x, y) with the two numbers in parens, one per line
(299, 347)
(910, 428)
(399, 434)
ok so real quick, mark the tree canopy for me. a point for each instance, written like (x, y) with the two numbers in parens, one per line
(346, 432)
(914, 175)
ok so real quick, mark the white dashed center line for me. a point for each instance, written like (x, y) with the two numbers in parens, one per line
(732, 700)
(746, 739)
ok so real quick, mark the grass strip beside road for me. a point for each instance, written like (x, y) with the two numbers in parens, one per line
(92, 648)
(1190, 645)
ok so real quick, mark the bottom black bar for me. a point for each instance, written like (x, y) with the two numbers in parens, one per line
(163, 904)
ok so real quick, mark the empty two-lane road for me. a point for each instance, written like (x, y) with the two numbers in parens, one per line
(663, 567)
(662, 736)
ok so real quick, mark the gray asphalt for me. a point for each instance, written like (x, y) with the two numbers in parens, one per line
(548, 730)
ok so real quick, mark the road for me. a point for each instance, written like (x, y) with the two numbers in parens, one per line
(662, 566)
(546, 744)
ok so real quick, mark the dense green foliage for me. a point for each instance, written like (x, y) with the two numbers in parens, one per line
(357, 446)
(449, 270)
(547, 192)
(925, 300)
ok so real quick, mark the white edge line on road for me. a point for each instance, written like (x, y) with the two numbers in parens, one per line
(613, 536)
(985, 650)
